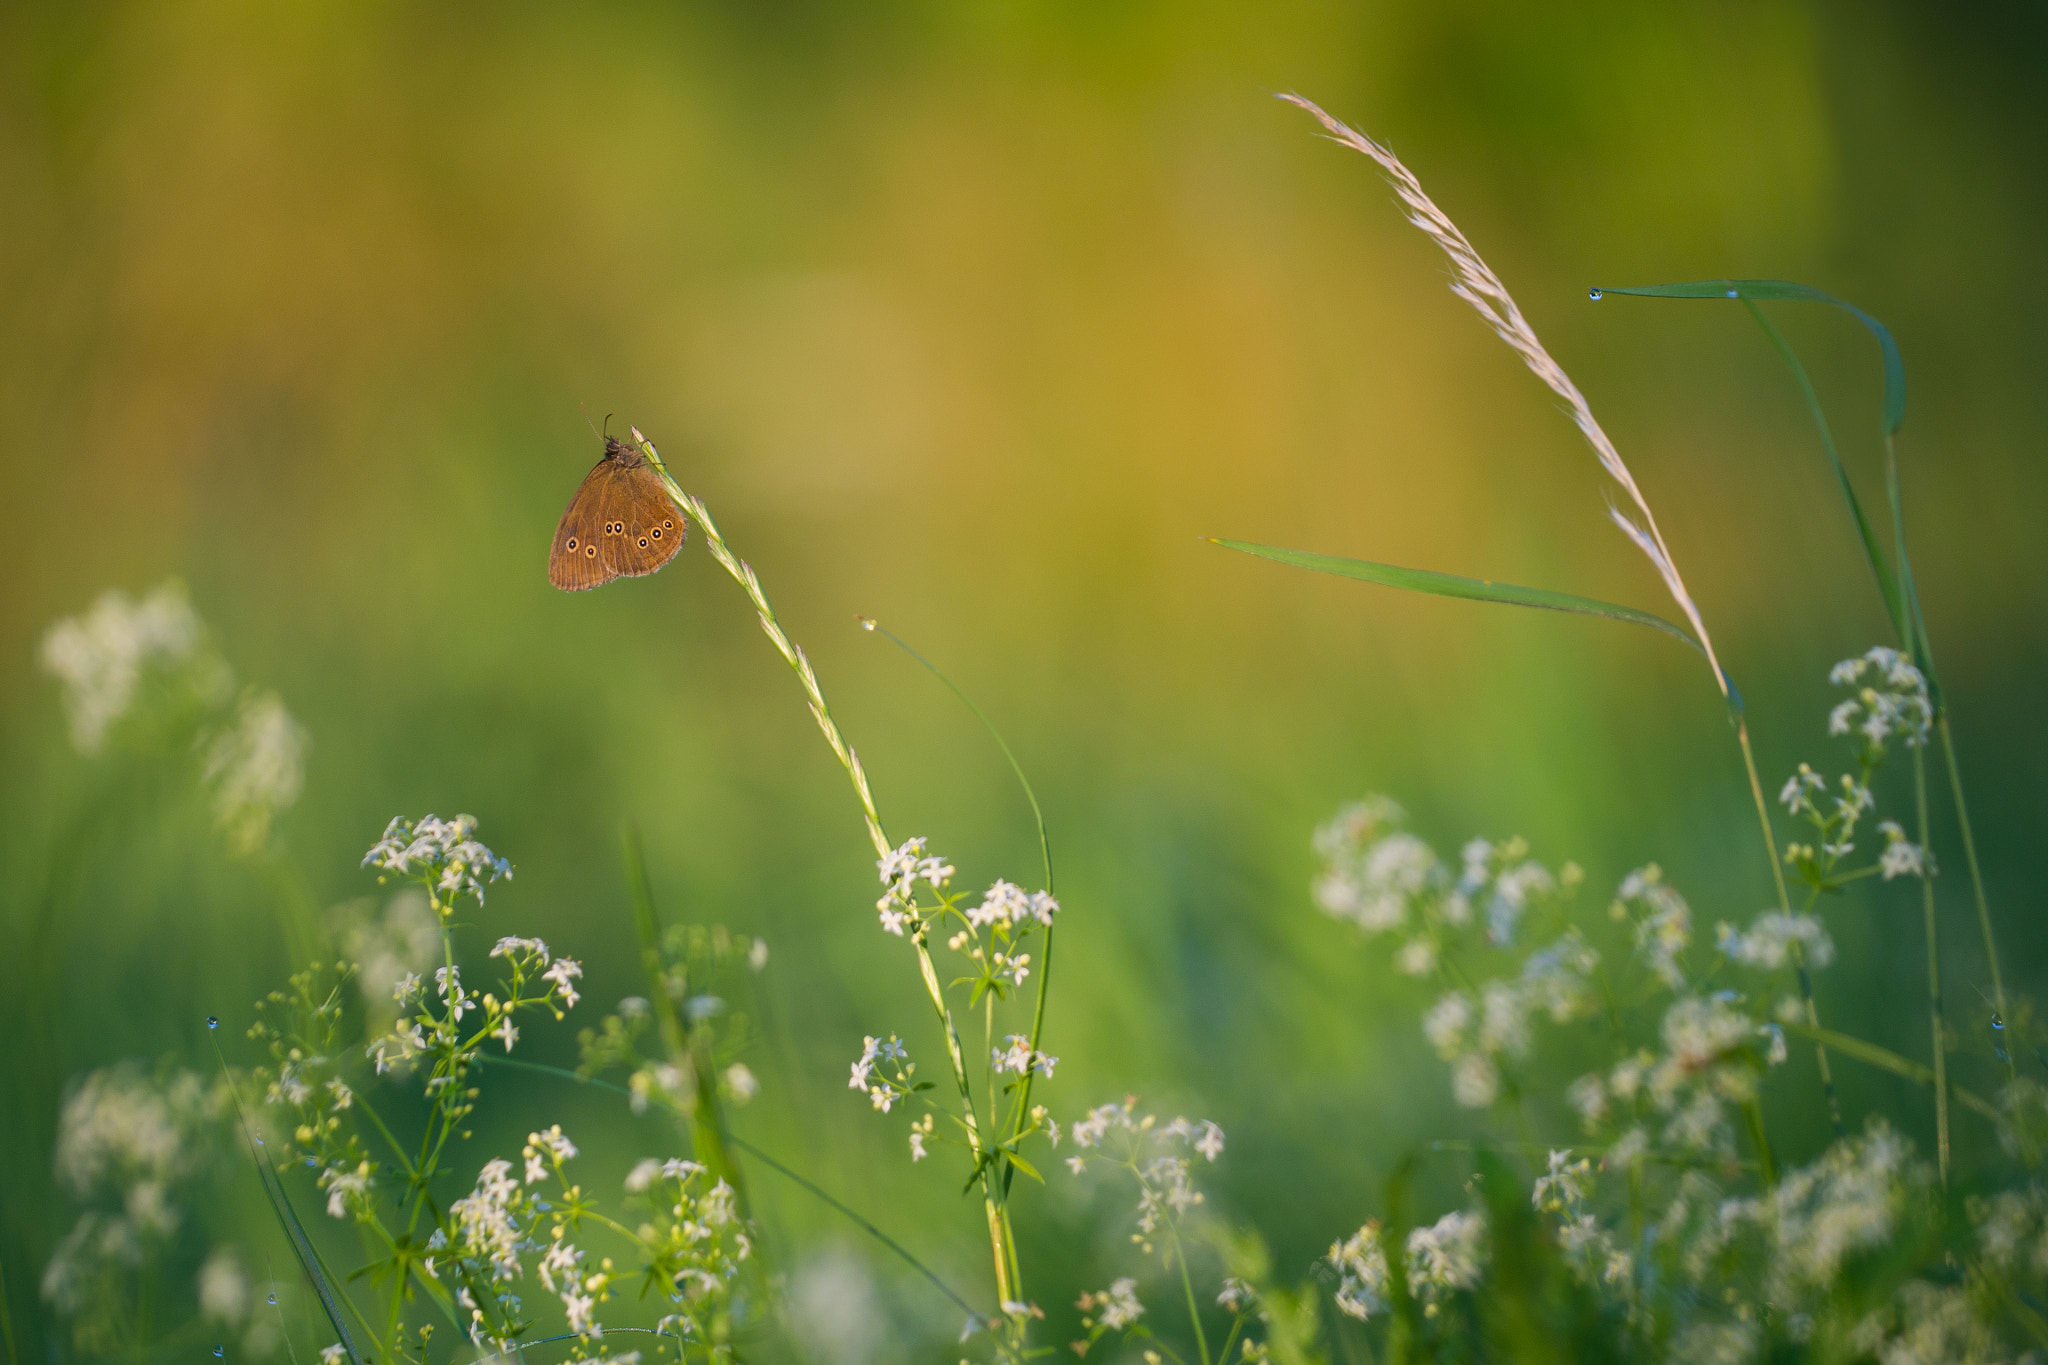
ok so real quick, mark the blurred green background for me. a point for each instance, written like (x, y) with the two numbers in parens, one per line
(975, 319)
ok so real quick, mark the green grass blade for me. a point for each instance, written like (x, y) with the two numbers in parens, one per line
(1887, 583)
(332, 1300)
(1787, 291)
(1044, 853)
(1470, 589)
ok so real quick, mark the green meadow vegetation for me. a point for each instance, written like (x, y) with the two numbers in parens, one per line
(1009, 888)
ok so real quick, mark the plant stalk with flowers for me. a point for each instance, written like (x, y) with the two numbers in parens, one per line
(467, 1256)
(993, 937)
(1688, 1247)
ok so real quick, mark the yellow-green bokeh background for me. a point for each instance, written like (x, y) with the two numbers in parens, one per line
(975, 319)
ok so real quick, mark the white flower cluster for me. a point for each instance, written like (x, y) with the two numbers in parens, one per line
(900, 873)
(124, 1141)
(256, 768)
(1475, 1034)
(1439, 1260)
(1774, 939)
(122, 652)
(1007, 904)
(1382, 878)
(1114, 1308)
(1021, 1058)
(1902, 857)
(103, 657)
(1891, 700)
(1663, 923)
(1158, 1155)
(441, 855)
(883, 1091)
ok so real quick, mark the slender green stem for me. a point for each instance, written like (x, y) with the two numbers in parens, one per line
(1753, 1113)
(685, 1052)
(1187, 1285)
(1955, 787)
(1044, 854)
(1820, 1052)
(1886, 1060)
(743, 574)
(1934, 1010)
(1763, 813)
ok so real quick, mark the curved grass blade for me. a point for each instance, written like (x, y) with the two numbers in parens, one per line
(1895, 603)
(1787, 291)
(1470, 589)
(331, 1297)
(1044, 852)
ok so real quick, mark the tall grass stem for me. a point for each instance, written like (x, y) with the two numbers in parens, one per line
(1045, 857)
(1934, 1008)
(743, 574)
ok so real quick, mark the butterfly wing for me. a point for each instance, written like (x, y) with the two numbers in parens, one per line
(577, 561)
(650, 529)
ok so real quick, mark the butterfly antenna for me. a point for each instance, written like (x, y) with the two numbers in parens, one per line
(587, 422)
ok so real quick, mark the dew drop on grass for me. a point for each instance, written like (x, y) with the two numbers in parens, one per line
(1734, 293)
(1997, 1023)
(1594, 295)
(273, 1296)
(219, 1350)
(213, 1021)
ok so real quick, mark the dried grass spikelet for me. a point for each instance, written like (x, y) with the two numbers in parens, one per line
(1476, 283)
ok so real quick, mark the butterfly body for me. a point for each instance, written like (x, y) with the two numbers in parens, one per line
(620, 524)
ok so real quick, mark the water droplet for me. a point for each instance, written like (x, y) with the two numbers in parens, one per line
(1997, 1022)
(219, 1350)
(1733, 292)
(259, 1142)
(213, 1021)
(2001, 1053)
(1594, 295)
(272, 1296)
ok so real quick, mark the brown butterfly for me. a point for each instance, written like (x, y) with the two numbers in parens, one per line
(621, 523)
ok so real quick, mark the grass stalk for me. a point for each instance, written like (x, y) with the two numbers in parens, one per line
(743, 574)
(1187, 1284)
(1475, 282)
(706, 1129)
(1045, 858)
(1934, 1008)
(1955, 787)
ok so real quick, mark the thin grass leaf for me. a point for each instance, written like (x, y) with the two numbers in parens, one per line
(1870, 1054)
(1470, 589)
(1787, 291)
(1887, 583)
(332, 1300)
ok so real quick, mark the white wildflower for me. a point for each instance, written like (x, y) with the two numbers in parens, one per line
(1361, 1264)
(440, 853)
(1446, 1256)
(564, 970)
(256, 769)
(1475, 1080)
(1565, 1186)
(1417, 957)
(1901, 856)
(102, 656)
(1116, 1307)
(1445, 1023)
(1769, 943)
